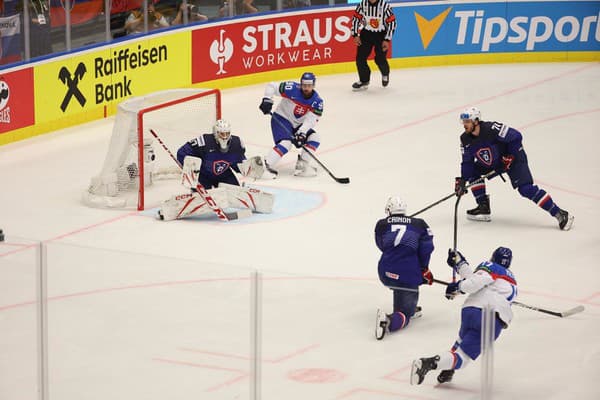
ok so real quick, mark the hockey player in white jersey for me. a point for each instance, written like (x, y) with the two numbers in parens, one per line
(491, 284)
(210, 160)
(293, 122)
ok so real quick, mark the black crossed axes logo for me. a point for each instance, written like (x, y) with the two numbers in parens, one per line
(65, 76)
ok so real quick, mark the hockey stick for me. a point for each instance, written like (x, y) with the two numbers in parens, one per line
(560, 314)
(489, 175)
(201, 190)
(455, 232)
(335, 178)
(314, 157)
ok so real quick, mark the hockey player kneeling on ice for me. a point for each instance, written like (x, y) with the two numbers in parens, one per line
(493, 284)
(406, 244)
(211, 160)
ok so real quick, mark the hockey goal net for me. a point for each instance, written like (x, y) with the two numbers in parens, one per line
(137, 170)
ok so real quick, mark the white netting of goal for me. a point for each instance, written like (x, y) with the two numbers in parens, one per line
(177, 116)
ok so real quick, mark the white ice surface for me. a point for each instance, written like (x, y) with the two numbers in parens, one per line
(127, 324)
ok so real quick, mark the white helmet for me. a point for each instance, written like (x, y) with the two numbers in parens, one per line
(222, 132)
(395, 205)
(471, 113)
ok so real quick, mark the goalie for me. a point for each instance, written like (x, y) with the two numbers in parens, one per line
(211, 159)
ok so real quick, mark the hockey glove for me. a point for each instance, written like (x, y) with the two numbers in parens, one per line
(452, 290)
(427, 276)
(455, 259)
(507, 161)
(459, 186)
(266, 105)
(299, 139)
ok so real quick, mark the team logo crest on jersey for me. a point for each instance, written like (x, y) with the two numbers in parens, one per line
(300, 110)
(485, 156)
(220, 166)
(374, 23)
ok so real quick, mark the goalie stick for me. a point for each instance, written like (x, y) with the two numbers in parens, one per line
(560, 314)
(201, 190)
(314, 157)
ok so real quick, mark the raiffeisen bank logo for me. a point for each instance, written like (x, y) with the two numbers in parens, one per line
(429, 28)
(221, 51)
(477, 28)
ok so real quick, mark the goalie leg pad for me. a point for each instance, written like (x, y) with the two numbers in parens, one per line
(187, 204)
(251, 198)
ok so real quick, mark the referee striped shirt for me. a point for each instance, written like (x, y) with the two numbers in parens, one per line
(374, 17)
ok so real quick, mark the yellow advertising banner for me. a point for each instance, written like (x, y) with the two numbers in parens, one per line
(95, 79)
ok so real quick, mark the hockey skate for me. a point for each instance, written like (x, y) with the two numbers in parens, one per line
(565, 220)
(418, 313)
(303, 168)
(445, 376)
(358, 85)
(385, 80)
(381, 325)
(421, 367)
(481, 212)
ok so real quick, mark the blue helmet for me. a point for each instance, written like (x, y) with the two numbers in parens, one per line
(502, 256)
(308, 78)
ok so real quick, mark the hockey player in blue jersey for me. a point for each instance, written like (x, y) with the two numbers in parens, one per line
(293, 121)
(221, 152)
(491, 284)
(211, 159)
(494, 146)
(406, 244)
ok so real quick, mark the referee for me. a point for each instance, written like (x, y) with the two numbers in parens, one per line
(378, 25)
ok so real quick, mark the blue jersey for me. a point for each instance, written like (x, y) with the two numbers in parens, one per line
(482, 154)
(406, 244)
(216, 164)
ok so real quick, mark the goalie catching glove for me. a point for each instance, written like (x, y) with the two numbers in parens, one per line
(253, 167)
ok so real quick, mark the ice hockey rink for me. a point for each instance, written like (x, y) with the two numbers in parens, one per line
(144, 309)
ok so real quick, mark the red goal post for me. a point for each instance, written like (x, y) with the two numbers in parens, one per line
(136, 169)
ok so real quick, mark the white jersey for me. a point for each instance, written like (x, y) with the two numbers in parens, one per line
(294, 107)
(490, 284)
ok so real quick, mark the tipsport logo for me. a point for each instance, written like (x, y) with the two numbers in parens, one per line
(429, 28)
(221, 51)
(484, 30)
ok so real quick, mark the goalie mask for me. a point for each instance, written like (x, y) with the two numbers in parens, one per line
(395, 205)
(222, 132)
